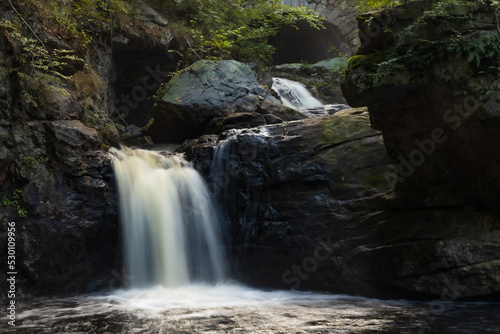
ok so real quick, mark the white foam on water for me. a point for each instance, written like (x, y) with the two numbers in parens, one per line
(294, 94)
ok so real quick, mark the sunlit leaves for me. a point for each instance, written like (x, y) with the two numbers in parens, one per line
(240, 29)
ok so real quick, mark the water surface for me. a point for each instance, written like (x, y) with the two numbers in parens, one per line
(232, 308)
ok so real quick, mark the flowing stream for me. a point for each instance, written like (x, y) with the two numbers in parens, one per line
(295, 95)
(178, 283)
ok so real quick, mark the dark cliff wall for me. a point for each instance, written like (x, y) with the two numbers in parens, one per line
(431, 83)
(429, 74)
(66, 95)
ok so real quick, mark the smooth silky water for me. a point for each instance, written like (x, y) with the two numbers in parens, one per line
(177, 282)
(171, 232)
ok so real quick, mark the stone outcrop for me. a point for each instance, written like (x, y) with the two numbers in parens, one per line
(438, 113)
(142, 56)
(200, 99)
(311, 198)
(287, 189)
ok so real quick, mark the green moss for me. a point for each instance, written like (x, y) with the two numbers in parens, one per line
(369, 61)
(331, 129)
(375, 178)
(357, 61)
(341, 188)
(31, 162)
(337, 129)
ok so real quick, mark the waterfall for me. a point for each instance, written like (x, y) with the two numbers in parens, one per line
(171, 232)
(294, 94)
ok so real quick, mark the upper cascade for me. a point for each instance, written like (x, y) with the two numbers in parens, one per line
(294, 94)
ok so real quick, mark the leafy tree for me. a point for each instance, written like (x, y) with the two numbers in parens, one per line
(443, 32)
(238, 29)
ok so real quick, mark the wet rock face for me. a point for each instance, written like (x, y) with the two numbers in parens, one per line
(56, 181)
(307, 206)
(443, 254)
(205, 91)
(288, 189)
(68, 236)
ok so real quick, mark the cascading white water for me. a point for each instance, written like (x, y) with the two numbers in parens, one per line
(171, 236)
(294, 94)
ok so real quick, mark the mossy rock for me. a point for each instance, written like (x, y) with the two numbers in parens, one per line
(368, 61)
(346, 126)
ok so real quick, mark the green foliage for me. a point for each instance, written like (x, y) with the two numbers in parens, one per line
(481, 52)
(438, 35)
(14, 202)
(31, 162)
(366, 5)
(495, 4)
(35, 68)
(83, 19)
(239, 29)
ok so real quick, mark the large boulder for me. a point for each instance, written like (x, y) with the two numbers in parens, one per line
(438, 112)
(204, 91)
